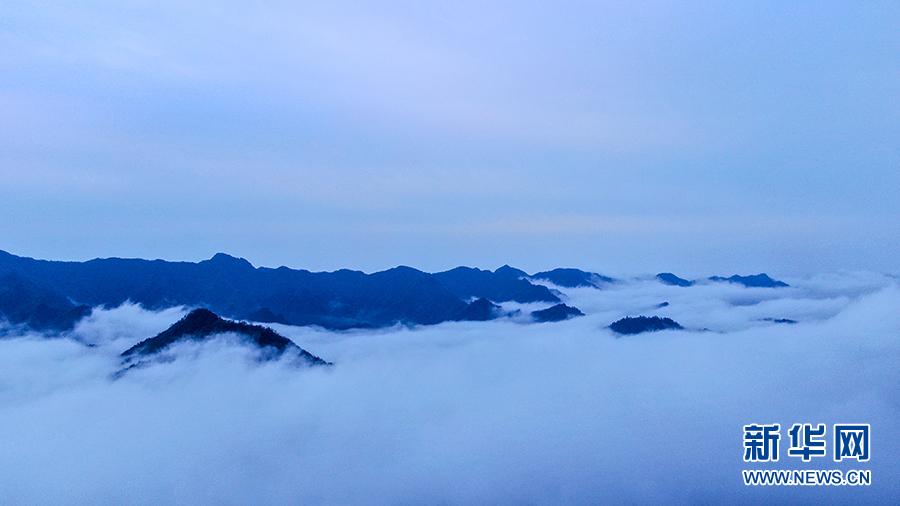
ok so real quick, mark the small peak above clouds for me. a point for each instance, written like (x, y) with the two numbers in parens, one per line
(756, 281)
(556, 313)
(202, 324)
(630, 325)
(480, 310)
(573, 278)
(671, 279)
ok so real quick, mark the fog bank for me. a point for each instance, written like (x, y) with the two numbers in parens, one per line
(495, 412)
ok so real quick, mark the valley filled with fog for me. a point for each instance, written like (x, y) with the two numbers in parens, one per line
(497, 412)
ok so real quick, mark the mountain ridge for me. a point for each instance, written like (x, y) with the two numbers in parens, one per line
(54, 295)
(234, 288)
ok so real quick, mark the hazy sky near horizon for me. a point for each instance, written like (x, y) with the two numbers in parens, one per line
(700, 138)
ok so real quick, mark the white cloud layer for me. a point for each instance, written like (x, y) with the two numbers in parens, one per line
(464, 413)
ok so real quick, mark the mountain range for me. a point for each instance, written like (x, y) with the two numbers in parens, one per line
(54, 295)
(761, 280)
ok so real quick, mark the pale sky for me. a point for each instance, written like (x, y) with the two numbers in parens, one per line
(620, 137)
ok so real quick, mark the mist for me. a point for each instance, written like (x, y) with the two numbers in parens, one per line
(498, 412)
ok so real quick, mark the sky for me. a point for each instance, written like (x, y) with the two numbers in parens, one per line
(703, 138)
(498, 412)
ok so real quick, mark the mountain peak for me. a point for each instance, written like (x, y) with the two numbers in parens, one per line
(506, 270)
(201, 324)
(671, 279)
(572, 278)
(630, 325)
(556, 313)
(226, 260)
(198, 320)
(761, 280)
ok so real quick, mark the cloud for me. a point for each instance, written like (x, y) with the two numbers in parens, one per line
(469, 412)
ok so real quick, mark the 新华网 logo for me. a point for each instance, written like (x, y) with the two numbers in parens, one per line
(851, 441)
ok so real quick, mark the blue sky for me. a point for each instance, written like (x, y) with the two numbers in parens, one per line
(621, 137)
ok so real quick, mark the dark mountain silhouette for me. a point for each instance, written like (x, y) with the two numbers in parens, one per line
(504, 284)
(23, 302)
(200, 324)
(573, 278)
(479, 311)
(630, 325)
(757, 281)
(49, 294)
(671, 279)
(556, 313)
(265, 315)
(779, 320)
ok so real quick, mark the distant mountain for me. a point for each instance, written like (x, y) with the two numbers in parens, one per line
(54, 295)
(201, 324)
(671, 279)
(503, 285)
(25, 303)
(265, 315)
(50, 295)
(779, 320)
(556, 313)
(757, 281)
(479, 311)
(573, 278)
(630, 325)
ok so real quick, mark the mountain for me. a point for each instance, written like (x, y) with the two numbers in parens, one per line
(629, 325)
(25, 303)
(556, 313)
(479, 311)
(51, 295)
(54, 295)
(573, 278)
(201, 324)
(503, 285)
(757, 281)
(779, 320)
(671, 279)
(265, 315)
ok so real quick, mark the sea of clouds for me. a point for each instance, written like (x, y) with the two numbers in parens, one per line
(498, 412)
